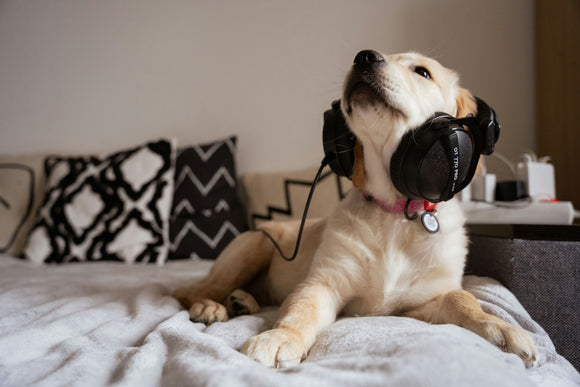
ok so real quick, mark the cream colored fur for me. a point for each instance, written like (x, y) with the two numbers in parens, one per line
(361, 260)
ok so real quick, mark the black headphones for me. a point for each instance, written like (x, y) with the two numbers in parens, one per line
(433, 162)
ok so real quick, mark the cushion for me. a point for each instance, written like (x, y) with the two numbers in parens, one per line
(114, 207)
(282, 195)
(207, 213)
(21, 193)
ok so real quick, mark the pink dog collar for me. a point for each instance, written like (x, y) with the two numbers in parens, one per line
(411, 209)
(399, 205)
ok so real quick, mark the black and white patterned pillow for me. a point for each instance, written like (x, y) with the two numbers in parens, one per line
(206, 214)
(114, 207)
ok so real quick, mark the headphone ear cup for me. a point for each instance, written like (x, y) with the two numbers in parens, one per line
(337, 139)
(420, 167)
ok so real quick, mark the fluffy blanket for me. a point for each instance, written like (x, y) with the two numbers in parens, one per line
(95, 324)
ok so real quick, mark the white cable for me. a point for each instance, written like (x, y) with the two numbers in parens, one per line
(507, 162)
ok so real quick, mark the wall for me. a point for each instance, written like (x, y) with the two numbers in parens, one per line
(558, 92)
(86, 76)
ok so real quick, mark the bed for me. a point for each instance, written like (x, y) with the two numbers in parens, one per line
(107, 239)
(95, 324)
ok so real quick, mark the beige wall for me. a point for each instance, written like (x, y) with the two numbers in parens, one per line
(96, 75)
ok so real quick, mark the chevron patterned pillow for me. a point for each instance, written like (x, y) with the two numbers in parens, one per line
(114, 207)
(207, 213)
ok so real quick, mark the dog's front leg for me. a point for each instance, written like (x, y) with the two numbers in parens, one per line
(461, 308)
(311, 307)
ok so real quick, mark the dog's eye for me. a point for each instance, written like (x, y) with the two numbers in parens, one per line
(422, 71)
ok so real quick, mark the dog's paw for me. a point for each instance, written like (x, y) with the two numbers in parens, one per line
(513, 339)
(240, 303)
(207, 312)
(276, 348)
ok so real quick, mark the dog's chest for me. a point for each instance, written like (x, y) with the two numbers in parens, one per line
(393, 281)
(404, 266)
(394, 262)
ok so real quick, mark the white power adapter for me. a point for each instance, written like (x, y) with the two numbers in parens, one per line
(483, 187)
(538, 175)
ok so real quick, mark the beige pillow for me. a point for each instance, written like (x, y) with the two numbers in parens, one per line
(21, 193)
(282, 195)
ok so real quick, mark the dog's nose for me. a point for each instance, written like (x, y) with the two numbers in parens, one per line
(367, 57)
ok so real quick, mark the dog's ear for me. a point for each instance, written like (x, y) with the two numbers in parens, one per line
(358, 168)
(465, 103)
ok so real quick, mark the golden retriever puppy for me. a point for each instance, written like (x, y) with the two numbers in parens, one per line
(362, 259)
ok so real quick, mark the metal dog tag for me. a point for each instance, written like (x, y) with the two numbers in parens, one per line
(430, 222)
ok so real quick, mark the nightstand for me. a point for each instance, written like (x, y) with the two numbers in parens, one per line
(541, 266)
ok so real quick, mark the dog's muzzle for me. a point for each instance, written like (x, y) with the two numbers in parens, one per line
(364, 84)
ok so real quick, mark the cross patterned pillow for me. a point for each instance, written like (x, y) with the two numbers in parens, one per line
(114, 207)
(206, 214)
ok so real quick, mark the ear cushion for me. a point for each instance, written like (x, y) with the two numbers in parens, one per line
(337, 139)
(397, 163)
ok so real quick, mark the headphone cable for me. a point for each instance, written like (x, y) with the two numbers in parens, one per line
(327, 159)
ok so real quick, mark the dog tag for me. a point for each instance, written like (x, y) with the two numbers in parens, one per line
(430, 222)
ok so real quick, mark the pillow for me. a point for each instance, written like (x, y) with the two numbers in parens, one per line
(207, 213)
(114, 207)
(21, 192)
(282, 195)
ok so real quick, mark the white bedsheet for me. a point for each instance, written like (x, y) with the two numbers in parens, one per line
(94, 324)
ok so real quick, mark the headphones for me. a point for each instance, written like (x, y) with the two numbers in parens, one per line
(433, 162)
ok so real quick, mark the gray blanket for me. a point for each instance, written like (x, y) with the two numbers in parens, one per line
(95, 324)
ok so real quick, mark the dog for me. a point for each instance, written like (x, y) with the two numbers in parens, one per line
(363, 259)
